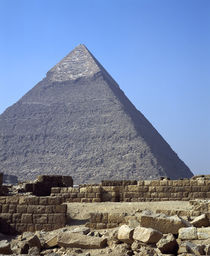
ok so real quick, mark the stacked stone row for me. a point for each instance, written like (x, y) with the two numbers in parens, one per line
(148, 190)
(29, 213)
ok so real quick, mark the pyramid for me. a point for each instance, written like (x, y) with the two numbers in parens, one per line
(78, 122)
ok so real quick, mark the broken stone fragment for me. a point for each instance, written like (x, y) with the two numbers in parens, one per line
(163, 223)
(77, 240)
(200, 221)
(203, 233)
(5, 247)
(52, 242)
(147, 235)
(195, 249)
(167, 244)
(125, 234)
(188, 233)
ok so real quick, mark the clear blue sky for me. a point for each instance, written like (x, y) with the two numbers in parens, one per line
(157, 50)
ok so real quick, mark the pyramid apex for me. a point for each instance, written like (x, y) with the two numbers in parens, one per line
(78, 63)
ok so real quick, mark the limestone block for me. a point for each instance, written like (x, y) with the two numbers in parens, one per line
(6, 217)
(57, 218)
(5, 247)
(55, 190)
(81, 195)
(155, 183)
(201, 221)
(116, 217)
(12, 200)
(23, 200)
(167, 244)
(90, 195)
(5, 208)
(30, 227)
(40, 218)
(203, 233)
(32, 200)
(2, 200)
(16, 217)
(82, 230)
(12, 208)
(125, 234)
(26, 218)
(147, 235)
(195, 249)
(101, 225)
(43, 201)
(189, 233)
(21, 227)
(96, 200)
(76, 240)
(96, 217)
(60, 208)
(52, 242)
(162, 222)
(54, 200)
(163, 182)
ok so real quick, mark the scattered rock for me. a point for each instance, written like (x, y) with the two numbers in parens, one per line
(125, 234)
(52, 242)
(147, 235)
(200, 221)
(83, 230)
(203, 233)
(34, 251)
(195, 249)
(188, 233)
(77, 240)
(5, 247)
(163, 223)
(167, 244)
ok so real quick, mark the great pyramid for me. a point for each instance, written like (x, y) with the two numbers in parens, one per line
(78, 122)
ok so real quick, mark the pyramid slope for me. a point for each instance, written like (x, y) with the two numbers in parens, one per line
(78, 122)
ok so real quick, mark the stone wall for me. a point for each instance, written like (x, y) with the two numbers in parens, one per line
(147, 190)
(42, 186)
(102, 220)
(29, 213)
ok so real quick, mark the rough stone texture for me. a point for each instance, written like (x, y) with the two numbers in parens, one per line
(201, 221)
(195, 249)
(76, 240)
(43, 184)
(203, 233)
(167, 244)
(29, 213)
(125, 234)
(163, 223)
(5, 247)
(147, 235)
(78, 122)
(188, 233)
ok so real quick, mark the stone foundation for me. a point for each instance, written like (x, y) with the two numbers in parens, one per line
(29, 213)
(147, 190)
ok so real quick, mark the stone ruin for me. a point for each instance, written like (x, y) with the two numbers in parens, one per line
(41, 206)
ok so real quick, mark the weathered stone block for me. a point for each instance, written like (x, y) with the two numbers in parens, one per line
(57, 218)
(60, 208)
(26, 218)
(116, 217)
(188, 233)
(21, 208)
(54, 200)
(40, 218)
(16, 217)
(147, 235)
(12, 200)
